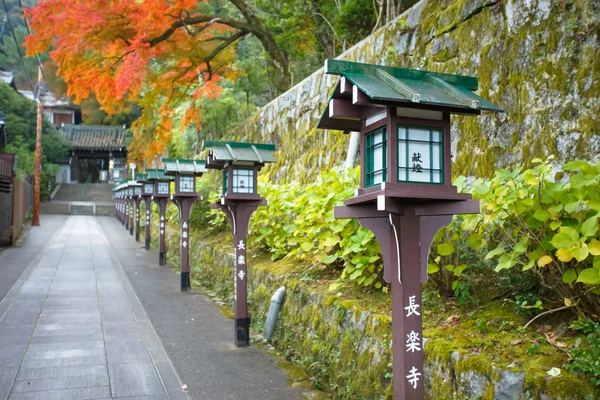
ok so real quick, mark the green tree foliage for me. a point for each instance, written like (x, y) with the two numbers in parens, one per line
(536, 223)
(9, 54)
(21, 134)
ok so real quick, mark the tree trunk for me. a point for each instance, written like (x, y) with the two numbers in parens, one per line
(276, 58)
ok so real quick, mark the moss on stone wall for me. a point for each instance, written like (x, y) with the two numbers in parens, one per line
(345, 345)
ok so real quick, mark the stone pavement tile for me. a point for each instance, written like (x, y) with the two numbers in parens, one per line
(51, 354)
(127, 351)
(74, 345)
(27, 303)
(70, 382)
(12, 352)
(62, 301)
(39, 274)
(98, 392)
(70, 318)
(13, 335)
(7, 376)
(139, 379)
(63, 372)
(170, 381)
(117, 315)
(71, 294)
(64, 362)
(67, 338)
(72, 309)
(156, 350)
(15, 319)
(117, 331)
(4, 391)
(110, 285)
(67, 329)
(35, 289)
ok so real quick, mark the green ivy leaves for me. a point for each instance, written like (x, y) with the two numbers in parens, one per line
(548, 228)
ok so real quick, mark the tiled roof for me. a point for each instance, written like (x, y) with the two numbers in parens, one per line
(85, 137)
(49, 100)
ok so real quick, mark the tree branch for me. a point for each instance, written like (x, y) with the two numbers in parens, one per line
(545, 313)
(225, 44)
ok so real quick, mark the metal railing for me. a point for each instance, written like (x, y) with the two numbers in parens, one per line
(85, 186)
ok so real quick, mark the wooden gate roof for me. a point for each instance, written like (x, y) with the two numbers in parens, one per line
(90, 137)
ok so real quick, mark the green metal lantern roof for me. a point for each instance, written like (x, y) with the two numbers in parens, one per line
(141, 177)
(411, 88)
(186, 167)
(241, 152)
(158, 175)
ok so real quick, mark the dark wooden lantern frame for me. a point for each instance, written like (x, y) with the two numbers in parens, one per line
(239, 208)
(184, 202)
(403, 216)
(161, 200)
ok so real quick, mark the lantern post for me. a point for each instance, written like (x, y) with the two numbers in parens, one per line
(240, 163)
(147, 193)
(126, 204)
(162, 189)
(406, 193)
(131, 201)
(115, 192)
(137, 198)
(122, 203)
(185, 196)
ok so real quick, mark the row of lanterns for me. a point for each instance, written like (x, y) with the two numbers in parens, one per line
(405, 195)
(239, 163)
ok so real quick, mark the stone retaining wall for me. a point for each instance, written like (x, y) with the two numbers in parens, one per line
(344, 346)
(537, 59)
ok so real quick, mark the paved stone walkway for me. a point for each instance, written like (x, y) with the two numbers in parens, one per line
(72, 327)
(90, 314)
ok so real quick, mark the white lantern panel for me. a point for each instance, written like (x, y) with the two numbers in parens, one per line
(420, 155)
(186, 184)
(419, 134)
(436, 148)
(138, 190)
(243, 181)
(148, 189)
(163, 187)
(377, 178)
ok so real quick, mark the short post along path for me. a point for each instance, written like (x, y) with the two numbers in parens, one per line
(93, 316)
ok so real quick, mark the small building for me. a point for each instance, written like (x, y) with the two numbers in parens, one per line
(8, 78)
(98, 154)
(57, 110)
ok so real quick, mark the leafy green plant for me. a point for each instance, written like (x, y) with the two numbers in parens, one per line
(586, 354)
(535, 224)
(299, 224)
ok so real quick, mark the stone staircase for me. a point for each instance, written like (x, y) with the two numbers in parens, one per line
(81, 199)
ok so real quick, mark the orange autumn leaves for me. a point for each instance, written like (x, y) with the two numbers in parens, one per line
(124, 52)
